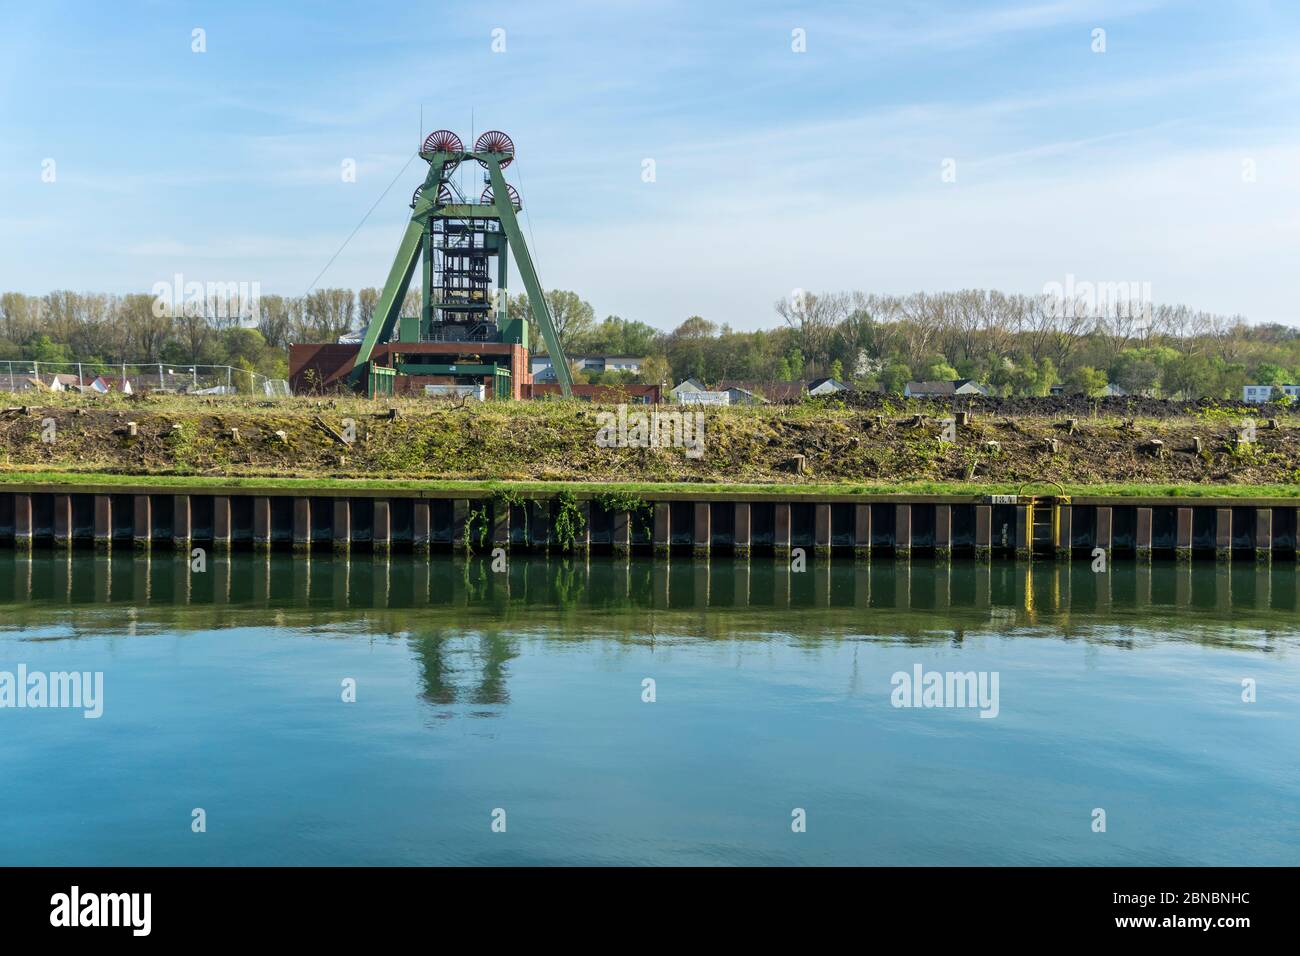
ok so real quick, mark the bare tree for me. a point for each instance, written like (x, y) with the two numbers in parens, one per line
(814, 318)
(923, 318)
(572, 316)
(329, 313)
(412, 302)
(20, 316)
(367, 300)
(275, 320)
(193, 330)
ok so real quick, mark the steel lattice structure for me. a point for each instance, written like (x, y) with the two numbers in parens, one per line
(464, 247)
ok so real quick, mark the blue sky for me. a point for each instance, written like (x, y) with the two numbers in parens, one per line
(775, 169)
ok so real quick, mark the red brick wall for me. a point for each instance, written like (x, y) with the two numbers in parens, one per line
(329, 365)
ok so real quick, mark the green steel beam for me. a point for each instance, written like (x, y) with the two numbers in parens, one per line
(467, 211)
(415, 368)
(399, 276)
(536, 300)
(462, 306)
(426, 279)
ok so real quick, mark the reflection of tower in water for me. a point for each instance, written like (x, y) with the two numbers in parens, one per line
(480, 679)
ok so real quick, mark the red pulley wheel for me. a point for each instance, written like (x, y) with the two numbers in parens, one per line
(487, 198)
(495, 141)
(442, 141)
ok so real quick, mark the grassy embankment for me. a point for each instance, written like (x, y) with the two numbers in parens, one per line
(544, 447)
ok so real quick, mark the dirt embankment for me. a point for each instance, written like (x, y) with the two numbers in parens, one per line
(868, 439)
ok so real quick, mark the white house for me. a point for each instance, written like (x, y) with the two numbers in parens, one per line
(958, 386)
(692, 392)
(686, 385)
(704, 398)
(741, 396)
(596, 364)
(104, 385)
(1257, 394)
(826, 386)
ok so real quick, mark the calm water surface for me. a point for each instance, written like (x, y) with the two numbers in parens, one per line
(523, 691)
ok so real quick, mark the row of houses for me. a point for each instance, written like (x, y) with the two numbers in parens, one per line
(1253, 394)
(103, 384)
(968, 386)
(749, 393)
(544, 372)
(743, 393)
(692, 392)
(98, 384)
(944, 389)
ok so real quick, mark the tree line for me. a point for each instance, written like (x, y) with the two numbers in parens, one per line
(1015, 344)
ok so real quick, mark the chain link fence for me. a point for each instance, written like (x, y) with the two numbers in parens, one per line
(131, 377)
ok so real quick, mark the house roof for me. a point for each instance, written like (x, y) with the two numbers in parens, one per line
(952, 387)
(819, 382)
(772, 391)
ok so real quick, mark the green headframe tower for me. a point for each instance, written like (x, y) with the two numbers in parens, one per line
(463, 336)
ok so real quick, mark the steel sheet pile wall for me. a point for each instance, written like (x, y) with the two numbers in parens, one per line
(740, 524)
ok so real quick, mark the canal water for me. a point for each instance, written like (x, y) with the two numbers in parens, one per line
(608, 711)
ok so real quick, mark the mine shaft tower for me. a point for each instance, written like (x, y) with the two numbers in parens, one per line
(463, 334)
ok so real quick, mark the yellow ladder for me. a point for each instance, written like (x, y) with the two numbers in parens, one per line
(1043, 518)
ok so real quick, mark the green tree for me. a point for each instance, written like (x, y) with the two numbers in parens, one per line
(1138, 371)
(1267, 373)
(894, 377)
(655, 370)
(939, 371)
(43, 349)
(572, 316)
(618, 336)
(688, 347)
(795, 358)
(1190, 376)
(1045, 377)
(1085, 380)
(243, 343)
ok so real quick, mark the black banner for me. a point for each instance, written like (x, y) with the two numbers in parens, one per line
(335, 905)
